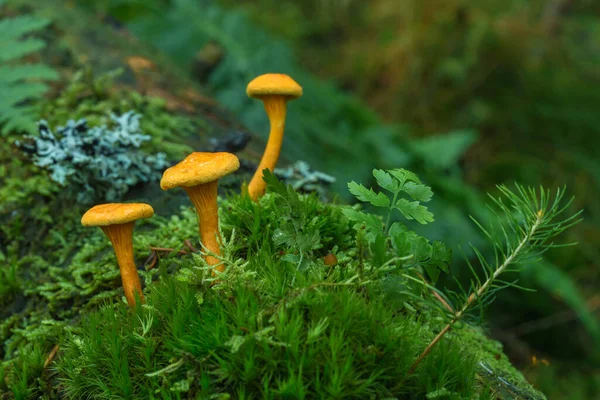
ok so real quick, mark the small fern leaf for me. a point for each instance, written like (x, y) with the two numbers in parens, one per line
(11, 74)
(13, 28)
(19, 119)
(11, 51)
(16, 93)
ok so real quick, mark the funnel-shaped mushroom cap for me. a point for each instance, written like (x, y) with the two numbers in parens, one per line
(116, 213)
(273, 85)
(199, 168)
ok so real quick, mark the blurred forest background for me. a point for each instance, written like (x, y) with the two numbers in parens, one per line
(466, 94)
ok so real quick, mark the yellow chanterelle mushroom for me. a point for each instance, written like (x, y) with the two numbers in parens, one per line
(274, 90)
(199, 175)
(116, 221)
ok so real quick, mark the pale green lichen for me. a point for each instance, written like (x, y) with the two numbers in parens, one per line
(96, 163)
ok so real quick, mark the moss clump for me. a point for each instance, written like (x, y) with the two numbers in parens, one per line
(310, 342)
(279, 324)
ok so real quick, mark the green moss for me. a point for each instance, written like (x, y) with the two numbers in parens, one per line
(490, 353)
(26, 377)
(269, 329)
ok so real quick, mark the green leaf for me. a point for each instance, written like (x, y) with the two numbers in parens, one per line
(417, 191)
(386, 181)
(421, 249)
(441, 256)
(373, 225)
(438, 261)
(283, 237)
(274, 185)
(397, 228)
(21, 84)
(413, 210)
(394, 289)
(433, 257)
(433, 272)
(379, 250)
(25, 47)
(290, 257)
(402, 239)
(310, 240)
(14, 27)
(368, 195)
(404, 176)
(12, 73)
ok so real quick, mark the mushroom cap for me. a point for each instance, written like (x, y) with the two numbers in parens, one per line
(199, 168)
(116, 214)
(273, 84)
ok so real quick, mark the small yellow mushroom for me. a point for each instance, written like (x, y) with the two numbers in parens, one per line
(117, 221)
(199, 175)
(274, 90)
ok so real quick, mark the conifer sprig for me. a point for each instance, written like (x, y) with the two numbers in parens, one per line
(527, 220)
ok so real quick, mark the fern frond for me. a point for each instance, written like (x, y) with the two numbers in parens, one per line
(18, 119)
(12, 51)
(21, 83)
(13, 74)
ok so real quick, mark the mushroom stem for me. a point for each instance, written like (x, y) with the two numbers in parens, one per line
(276, 108)
(204, 198)
(121, 236)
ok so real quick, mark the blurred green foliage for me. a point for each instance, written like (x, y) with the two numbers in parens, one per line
(325, 127)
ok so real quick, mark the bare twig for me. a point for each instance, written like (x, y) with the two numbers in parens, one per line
(51, 356)
(189, 246)
(437, 295)
(151, 261)
(167, 250)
